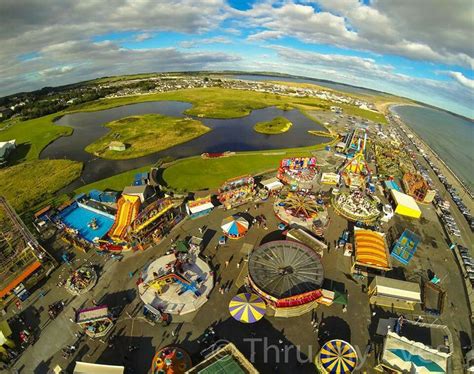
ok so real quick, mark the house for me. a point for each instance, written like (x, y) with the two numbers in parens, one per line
(117, 146)
(142, 191)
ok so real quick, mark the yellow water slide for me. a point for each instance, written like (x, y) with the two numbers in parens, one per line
(128, 207)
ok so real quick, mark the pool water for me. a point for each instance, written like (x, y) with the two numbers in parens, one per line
(78, 217)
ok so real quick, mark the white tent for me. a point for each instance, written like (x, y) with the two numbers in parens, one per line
(88, 368)
(271, 184)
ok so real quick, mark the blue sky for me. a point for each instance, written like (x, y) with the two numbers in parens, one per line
(407, 48)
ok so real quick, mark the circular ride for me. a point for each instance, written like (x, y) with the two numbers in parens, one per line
(81, 280)
(285, 274)
(177, 283)
(355, 206)
(171, 360)
(299, 208)
(337, 357)
(234, 227)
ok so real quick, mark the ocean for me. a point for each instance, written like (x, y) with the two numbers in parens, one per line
(451, 137)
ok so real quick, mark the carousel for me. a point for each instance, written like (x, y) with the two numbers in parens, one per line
(285, 274)
(337, 357)
(300, 208)
(81, 280)
(171, 360)
(234, 227)
(356, 207)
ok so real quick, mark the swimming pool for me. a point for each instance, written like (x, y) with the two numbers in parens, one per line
(78, 216)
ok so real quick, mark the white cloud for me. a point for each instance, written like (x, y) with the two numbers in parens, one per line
(460, 78)
(265, 35)
(203, 41)
(437, 33)
(143, 36)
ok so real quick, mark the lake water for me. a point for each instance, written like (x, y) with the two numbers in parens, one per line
(451, 137)
(235, 134)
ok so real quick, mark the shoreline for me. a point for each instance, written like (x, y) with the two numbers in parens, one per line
(450, 173)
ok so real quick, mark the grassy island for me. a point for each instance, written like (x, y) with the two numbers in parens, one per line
(146, 134)
(277, 125)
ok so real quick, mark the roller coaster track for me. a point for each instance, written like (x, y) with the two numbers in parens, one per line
(21, 229)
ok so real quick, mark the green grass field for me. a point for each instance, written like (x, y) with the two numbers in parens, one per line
(32, 136)
(146, 134)
(116, 182)
(277, 125)
(28, 184)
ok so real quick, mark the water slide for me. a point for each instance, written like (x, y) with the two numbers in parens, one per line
(128, 207)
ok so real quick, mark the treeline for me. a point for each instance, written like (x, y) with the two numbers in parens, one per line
(50, 100)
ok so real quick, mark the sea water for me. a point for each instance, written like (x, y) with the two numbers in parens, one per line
(450, 136)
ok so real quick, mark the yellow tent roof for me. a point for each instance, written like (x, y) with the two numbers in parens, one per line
(406, 205)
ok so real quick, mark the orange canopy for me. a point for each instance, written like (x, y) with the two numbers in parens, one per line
(370, 249)
(29, 270)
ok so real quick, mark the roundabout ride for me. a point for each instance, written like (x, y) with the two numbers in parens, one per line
(81, 280)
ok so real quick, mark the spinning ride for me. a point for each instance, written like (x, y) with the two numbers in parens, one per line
(356, 172)
(178, 283)
(171, 360)
(81, 280)
(298, 172)
(285, 274)
(355, 206)
(299, 208)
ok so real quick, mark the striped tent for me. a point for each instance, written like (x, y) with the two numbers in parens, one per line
(337, 357)
(247, 308)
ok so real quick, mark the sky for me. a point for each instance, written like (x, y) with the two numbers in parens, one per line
(420, 49)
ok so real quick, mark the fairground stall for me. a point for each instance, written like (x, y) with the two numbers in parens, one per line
(171, 360)
(155, 221)
(301, 209)
(178, 283)
(337, 357)
(331, 179)
(394, 293)
(417, 187)
(199, 207)
(96, 322)
(355, 206)
(371, 252)
(237, 191)
(81, 280)
(287, 275)
(299, 172)
(270, 186)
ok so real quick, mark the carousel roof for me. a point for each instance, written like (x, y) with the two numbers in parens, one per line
(284, 268)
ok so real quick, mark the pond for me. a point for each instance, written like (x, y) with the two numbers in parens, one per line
(235, 134)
